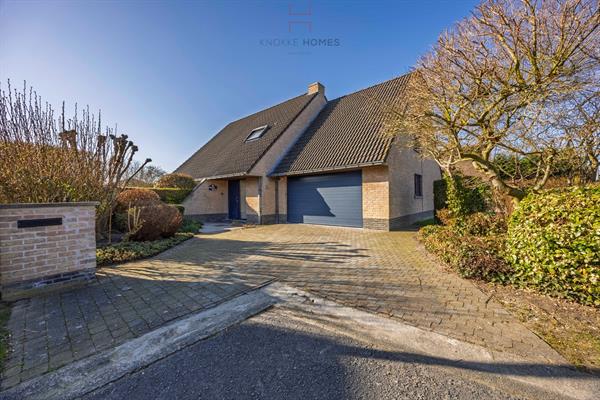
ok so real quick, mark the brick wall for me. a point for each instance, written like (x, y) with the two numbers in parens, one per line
(375, 198)
(405, 207)
(46, 257)
(208, 201)
(282, 200)
(252, 200)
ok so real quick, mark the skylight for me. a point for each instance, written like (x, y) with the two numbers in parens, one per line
(256, 133)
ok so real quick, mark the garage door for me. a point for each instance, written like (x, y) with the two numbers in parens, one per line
(333, 199)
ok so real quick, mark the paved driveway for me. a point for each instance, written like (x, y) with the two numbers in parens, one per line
(382, 272)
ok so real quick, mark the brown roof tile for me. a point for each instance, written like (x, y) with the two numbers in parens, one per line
(349, 132)
(228, 154)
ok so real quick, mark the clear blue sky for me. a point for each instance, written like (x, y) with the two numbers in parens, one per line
(172, 74)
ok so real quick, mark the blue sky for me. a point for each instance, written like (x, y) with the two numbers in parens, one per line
(171, 74)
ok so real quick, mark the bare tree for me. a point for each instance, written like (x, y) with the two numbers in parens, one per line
(147, 175)
(45, 158)
(497, 83)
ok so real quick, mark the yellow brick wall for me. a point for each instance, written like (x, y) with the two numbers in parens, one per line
(252, 198)
(268, 196)
(32, 254)
(282, 196)
(403, 164)
(375, 192)
(204, 201)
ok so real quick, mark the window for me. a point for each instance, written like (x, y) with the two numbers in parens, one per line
(418, 185)
(256, 133)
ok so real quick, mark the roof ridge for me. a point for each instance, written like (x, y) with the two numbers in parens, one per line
(372, 86)
(268, 108)
(312, 97)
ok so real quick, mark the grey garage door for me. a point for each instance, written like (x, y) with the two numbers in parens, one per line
(333, 199)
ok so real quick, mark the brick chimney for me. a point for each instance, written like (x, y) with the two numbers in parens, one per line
(316, 87)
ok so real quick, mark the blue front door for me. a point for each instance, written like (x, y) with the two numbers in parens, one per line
(331, 199)
(234, 199)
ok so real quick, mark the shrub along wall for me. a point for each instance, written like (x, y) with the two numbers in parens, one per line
(154, 218)
(169, 195)
(553, 243)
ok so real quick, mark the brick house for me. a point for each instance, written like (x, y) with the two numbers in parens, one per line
(313, 160)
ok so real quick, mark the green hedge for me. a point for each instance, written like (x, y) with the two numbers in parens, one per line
(553, 243)
(474, 248)
(176, 180)
(169, 195)
(440, 200)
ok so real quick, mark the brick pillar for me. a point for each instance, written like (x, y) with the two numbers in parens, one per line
(376, 198)
(46, 246)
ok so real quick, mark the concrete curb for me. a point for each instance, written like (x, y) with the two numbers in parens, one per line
(496, 368)
(86, 375)
(436, 349)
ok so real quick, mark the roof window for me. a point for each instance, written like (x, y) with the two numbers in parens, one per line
(257, 133)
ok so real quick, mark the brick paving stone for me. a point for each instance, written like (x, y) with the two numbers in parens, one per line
(382, 272)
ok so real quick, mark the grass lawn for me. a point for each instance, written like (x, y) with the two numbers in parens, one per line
(128, 251)
(570, 328)
(4, 315)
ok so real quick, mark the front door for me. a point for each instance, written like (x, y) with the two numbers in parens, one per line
(234, 199)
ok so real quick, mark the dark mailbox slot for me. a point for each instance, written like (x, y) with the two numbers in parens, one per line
(32, 223)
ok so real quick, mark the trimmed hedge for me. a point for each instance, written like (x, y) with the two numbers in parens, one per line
(176, 180)
(168, 195)
(553, 243)
(135, 197)
(159, 220)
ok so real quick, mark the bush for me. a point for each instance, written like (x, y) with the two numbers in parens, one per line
(127, 251)
(471, 255)
(159, 220)
(465, 196)
(553, 243)
(190, 225)
(439, 196)
(172, 195)
(176, 180)
(483, 224)
(136, 197)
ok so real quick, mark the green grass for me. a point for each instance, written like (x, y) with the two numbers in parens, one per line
(4, 315)
(128, 251)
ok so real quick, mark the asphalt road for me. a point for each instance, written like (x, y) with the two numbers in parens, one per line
(274, 356)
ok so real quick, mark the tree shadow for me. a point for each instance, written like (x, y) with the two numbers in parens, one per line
(272, 357)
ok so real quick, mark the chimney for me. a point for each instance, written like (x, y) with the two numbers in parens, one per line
(316, 87)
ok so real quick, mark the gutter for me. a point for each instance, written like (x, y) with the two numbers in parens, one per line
(329, 169)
